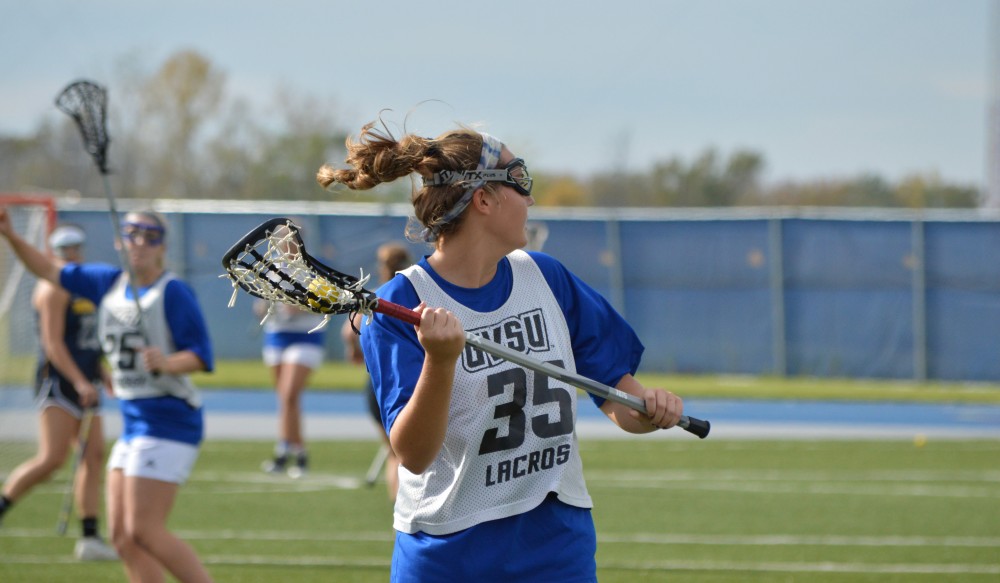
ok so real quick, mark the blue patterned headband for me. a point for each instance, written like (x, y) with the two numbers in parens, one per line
(489, 158)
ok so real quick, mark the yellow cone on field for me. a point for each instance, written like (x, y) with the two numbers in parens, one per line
(920, 440)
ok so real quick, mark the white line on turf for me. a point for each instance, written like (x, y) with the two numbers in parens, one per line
(812, 489)
(620, 538)
(668, 565)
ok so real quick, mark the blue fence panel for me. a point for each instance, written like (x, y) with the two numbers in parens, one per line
(848, 298)
(963, 300)
(698, 294)
(582, 246)
(235, 331)
(350, 243)
(100, 239)
(711, 331)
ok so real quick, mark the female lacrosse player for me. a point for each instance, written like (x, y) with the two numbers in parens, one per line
(491, 482)
(150, 355)
(293, 349)
(67, 383)
(392, 257)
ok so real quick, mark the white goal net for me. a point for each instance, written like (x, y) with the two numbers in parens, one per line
(33, 218)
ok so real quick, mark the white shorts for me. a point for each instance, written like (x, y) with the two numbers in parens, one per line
(154, 458)
(308, 355)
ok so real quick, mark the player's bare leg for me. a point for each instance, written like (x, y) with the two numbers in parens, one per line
(291, 381)
(58, 430)
(139, 530)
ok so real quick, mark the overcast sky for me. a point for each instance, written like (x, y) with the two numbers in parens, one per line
(822, 88)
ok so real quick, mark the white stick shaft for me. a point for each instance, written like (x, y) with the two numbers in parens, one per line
(81, 448)
(378, 462)
(123, 254)
(558, 373)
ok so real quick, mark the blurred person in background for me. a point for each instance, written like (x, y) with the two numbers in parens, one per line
(68, 382)
(293, 349)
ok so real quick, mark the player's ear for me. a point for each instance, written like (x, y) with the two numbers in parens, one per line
(481, 199)
(484, 199)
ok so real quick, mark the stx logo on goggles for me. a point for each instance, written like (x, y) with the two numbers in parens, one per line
(525, 333)
(460, 176)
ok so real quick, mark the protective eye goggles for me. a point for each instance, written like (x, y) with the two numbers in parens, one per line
(515, 174)
(149, 234)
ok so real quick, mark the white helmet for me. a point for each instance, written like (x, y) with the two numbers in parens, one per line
(66, 236)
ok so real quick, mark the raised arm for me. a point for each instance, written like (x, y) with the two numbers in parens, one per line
(37, 262)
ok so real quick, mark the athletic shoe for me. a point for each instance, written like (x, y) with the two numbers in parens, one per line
(301, 466)
(92, 548)
(276, 465)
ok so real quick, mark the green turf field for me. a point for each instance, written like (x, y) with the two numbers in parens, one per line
(697, 511)
(338, 375)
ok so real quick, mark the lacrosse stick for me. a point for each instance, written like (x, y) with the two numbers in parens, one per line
(378, 462)
(271, 262)
(87, 103)
(81, 446)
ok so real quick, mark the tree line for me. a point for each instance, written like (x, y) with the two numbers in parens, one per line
(176, 133)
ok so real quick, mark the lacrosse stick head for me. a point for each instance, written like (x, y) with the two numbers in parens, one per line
(87, 103)
(270, 262)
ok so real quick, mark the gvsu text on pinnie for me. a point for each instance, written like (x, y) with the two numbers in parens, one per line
(525, 333)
